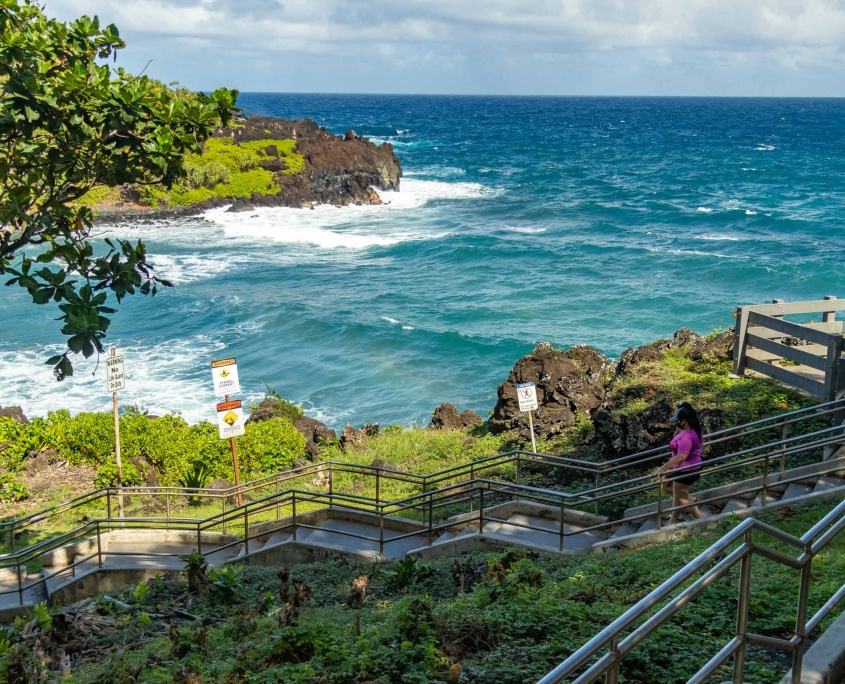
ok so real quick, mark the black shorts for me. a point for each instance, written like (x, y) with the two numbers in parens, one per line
(689, 479)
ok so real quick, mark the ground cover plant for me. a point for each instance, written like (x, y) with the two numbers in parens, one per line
(505, 617)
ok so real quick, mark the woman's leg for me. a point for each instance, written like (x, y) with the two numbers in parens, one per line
(681, 497)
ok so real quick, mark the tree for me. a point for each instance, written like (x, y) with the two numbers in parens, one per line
(69, 122)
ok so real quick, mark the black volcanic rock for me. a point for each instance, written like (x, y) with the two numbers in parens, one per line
(338, 170)
(568, 383)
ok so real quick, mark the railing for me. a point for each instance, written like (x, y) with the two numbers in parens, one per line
(329, 469)
(445, 491)
(472, 503)
(817, 368)
(633, 627)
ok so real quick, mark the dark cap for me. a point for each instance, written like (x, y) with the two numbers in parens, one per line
(682, 408)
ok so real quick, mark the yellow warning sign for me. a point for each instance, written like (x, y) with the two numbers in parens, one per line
(231, 418)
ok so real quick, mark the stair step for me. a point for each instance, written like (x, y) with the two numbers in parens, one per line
(758, 500)
(445, 537)
(649, 525)
(828, 482)
(735, 505)
(624, 530)
(794, 490)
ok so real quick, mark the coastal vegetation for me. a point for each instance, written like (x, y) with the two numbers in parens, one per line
(68, 123)
(225, 169)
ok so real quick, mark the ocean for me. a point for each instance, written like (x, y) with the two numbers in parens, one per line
(610, 222)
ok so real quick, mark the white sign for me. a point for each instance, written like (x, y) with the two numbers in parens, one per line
(230, 419)
(115, 375)
(225, 375)
(527, 395)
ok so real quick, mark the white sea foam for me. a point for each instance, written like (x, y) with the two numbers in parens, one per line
(718, 238)
(167, 378)
(748, 212)
(704, 210)
(524, 229)
(402, 131)
(407, 327)
(389, 320)
(181, 269)
(764, 147)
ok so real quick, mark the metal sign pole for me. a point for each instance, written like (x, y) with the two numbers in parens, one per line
(117, 450)
(531, 429)
(235, 464)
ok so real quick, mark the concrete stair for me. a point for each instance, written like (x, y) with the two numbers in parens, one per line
(639, 524)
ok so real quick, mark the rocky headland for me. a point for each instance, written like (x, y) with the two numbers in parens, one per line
(301, 165)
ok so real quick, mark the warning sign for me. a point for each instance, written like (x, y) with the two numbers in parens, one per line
(230, 419)
(115, 374)
(225, 375)
(527, 395)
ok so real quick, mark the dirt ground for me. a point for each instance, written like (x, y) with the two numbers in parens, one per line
(51, 484)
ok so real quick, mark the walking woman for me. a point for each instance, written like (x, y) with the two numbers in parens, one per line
(685, 465)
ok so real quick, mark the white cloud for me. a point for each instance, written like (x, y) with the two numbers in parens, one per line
(651, 34)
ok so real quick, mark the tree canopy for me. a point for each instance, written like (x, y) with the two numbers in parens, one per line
(69, 121)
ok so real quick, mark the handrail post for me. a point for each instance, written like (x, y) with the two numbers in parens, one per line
(481, 510)
(278, 505)
(659, 501)
(801, 617)
(381, 531)
(612, 676)
(293, 513)
(246, 530)
(783, 446)
(471, 491)
(378, 484)
(99, 548)
(166, 505)
(20, 582)
(596, 503)
(108, 505)
(765, 491)
(430, 517)
(562, 519)
(331, 486)
(742, 612)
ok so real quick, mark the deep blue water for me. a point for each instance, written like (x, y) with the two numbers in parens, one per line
(601, 221)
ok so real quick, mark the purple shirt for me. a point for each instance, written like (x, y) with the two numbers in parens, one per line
(687, 442)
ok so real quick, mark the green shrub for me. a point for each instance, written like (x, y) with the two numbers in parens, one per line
(270, 446)
(107, 475)
(12, 489)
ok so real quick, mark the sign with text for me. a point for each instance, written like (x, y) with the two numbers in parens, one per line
(225, 375)
(527, 395)
(115, 374)
(230, 419)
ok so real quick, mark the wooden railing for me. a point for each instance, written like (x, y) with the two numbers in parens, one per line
(804, 355)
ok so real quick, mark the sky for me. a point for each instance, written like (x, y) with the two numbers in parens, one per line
(792, 48)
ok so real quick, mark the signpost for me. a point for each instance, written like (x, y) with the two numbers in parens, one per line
(230, 417)
(526, 393)
(116, 381)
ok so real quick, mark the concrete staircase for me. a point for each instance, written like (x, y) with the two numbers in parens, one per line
(127, 556)
(807, 484)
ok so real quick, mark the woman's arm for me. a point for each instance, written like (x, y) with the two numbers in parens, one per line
(671, 463)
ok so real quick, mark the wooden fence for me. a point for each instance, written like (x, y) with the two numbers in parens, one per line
(804, 355)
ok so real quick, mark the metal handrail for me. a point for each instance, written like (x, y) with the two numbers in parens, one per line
(17, 525)
(611, 637)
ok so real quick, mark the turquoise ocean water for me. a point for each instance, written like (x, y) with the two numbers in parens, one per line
(601, 221)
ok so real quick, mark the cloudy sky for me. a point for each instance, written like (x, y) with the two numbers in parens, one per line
(531, 47)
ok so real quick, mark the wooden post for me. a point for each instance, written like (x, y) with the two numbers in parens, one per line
(740, 332)
(531, 428)
(117, 450)
(235, 464)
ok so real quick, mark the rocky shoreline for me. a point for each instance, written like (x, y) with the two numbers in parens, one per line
(338, 170)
